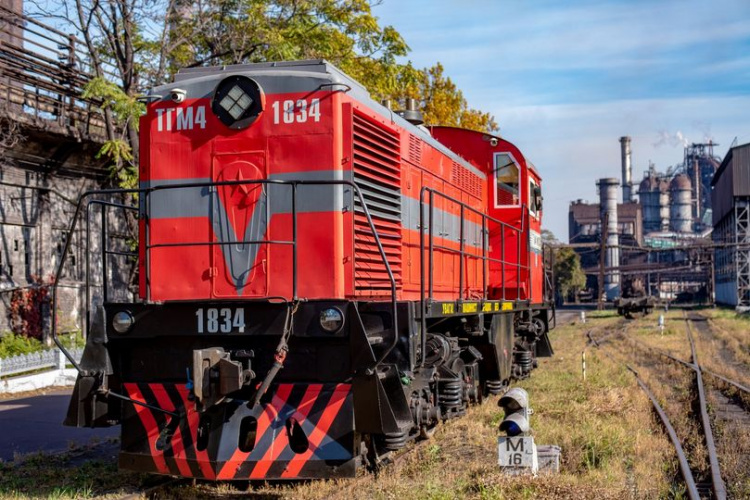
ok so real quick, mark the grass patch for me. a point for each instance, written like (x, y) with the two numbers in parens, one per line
(77, 473)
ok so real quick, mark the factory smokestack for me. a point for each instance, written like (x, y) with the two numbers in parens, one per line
(627, 170)
(608, 205)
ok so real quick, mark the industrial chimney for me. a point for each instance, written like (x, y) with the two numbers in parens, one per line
(608, 206)
(627, 170)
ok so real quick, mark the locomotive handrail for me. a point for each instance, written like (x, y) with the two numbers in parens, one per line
(104, 252)
(463, 206)
(463, 255)
(147, 191)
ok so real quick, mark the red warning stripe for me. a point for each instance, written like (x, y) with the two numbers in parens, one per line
(269, 414)
(193, 419)
(180, 458)
(282, 440)
(149, 423)
(320, 432)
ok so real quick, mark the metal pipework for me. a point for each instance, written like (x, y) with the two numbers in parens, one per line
(627, 170)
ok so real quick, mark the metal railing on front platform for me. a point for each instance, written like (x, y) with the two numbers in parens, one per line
(146, 193)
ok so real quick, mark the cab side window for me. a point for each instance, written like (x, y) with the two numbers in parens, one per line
(506, 180)
(535, 197)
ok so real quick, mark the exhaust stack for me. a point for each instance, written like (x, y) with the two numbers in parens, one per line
(608, 205)
(627, 170)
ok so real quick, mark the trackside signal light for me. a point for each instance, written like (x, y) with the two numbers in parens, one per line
(515, 404)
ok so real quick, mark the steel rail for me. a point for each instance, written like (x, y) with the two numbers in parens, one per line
(687, 474)
(687, 364)
(717, 483)
(150, 491)
(733, 383)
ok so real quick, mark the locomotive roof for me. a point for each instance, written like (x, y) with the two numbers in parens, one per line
(529, 165)
(302, 76)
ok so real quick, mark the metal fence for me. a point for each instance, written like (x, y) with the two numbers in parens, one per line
(52, 358)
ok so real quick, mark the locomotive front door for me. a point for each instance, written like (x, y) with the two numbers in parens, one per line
(239, 213)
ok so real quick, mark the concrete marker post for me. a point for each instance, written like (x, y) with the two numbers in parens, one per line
(583, 364)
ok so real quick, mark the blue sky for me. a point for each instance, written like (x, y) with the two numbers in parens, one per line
(566, 79)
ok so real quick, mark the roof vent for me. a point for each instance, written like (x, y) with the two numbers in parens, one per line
(411, 113)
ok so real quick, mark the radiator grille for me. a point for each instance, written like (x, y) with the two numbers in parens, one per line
(377, 172)
(466, 180)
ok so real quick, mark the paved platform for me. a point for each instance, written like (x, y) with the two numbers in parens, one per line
(34, 424)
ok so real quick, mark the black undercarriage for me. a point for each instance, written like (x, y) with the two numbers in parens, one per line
(224, 373)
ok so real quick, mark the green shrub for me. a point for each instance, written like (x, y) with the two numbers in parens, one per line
(13, 345)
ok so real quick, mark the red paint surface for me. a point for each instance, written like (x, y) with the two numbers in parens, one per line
(330, 265)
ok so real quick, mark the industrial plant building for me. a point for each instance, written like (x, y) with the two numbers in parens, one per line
(730, 199)
(658, 240)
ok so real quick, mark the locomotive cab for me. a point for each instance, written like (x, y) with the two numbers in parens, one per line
(515, 199)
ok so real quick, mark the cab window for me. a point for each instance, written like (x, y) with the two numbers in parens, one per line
(506, 180)
(535, 198)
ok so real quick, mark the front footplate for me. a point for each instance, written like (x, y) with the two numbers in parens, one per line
(299, 431)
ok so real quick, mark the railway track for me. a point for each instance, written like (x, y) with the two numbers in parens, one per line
(710, 482)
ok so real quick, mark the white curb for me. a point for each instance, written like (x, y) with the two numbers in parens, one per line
(55, 377)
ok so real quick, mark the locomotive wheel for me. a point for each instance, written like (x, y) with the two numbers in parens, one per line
(427, 431)
(537, 325)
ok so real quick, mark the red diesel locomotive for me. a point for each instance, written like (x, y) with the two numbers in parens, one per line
(321, 279)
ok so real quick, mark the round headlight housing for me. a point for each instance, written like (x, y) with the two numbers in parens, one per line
(331, 319)
(238, 101)
(122, 321)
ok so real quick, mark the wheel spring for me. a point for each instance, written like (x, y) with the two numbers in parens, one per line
(394, 441)
(495, 387)
(525, 360)
(449, 393)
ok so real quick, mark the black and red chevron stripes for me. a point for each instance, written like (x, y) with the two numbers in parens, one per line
(323, 413)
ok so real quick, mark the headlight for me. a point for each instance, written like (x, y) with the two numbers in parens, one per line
(238, 101)
(122, 321)
(331, 320)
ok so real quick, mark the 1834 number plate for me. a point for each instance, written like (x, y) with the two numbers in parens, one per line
(220, 320)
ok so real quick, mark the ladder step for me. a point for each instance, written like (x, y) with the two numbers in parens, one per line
(375, 340)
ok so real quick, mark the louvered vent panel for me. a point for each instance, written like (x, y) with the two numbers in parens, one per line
(466, 180)
(415, 150)
(377, 172)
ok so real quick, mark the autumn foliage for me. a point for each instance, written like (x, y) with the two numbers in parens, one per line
(135, 45)
(29, 308)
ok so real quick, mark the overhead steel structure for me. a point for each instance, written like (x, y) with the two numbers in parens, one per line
(731, 219)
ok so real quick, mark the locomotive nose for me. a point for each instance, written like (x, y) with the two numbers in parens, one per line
(299, 431)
